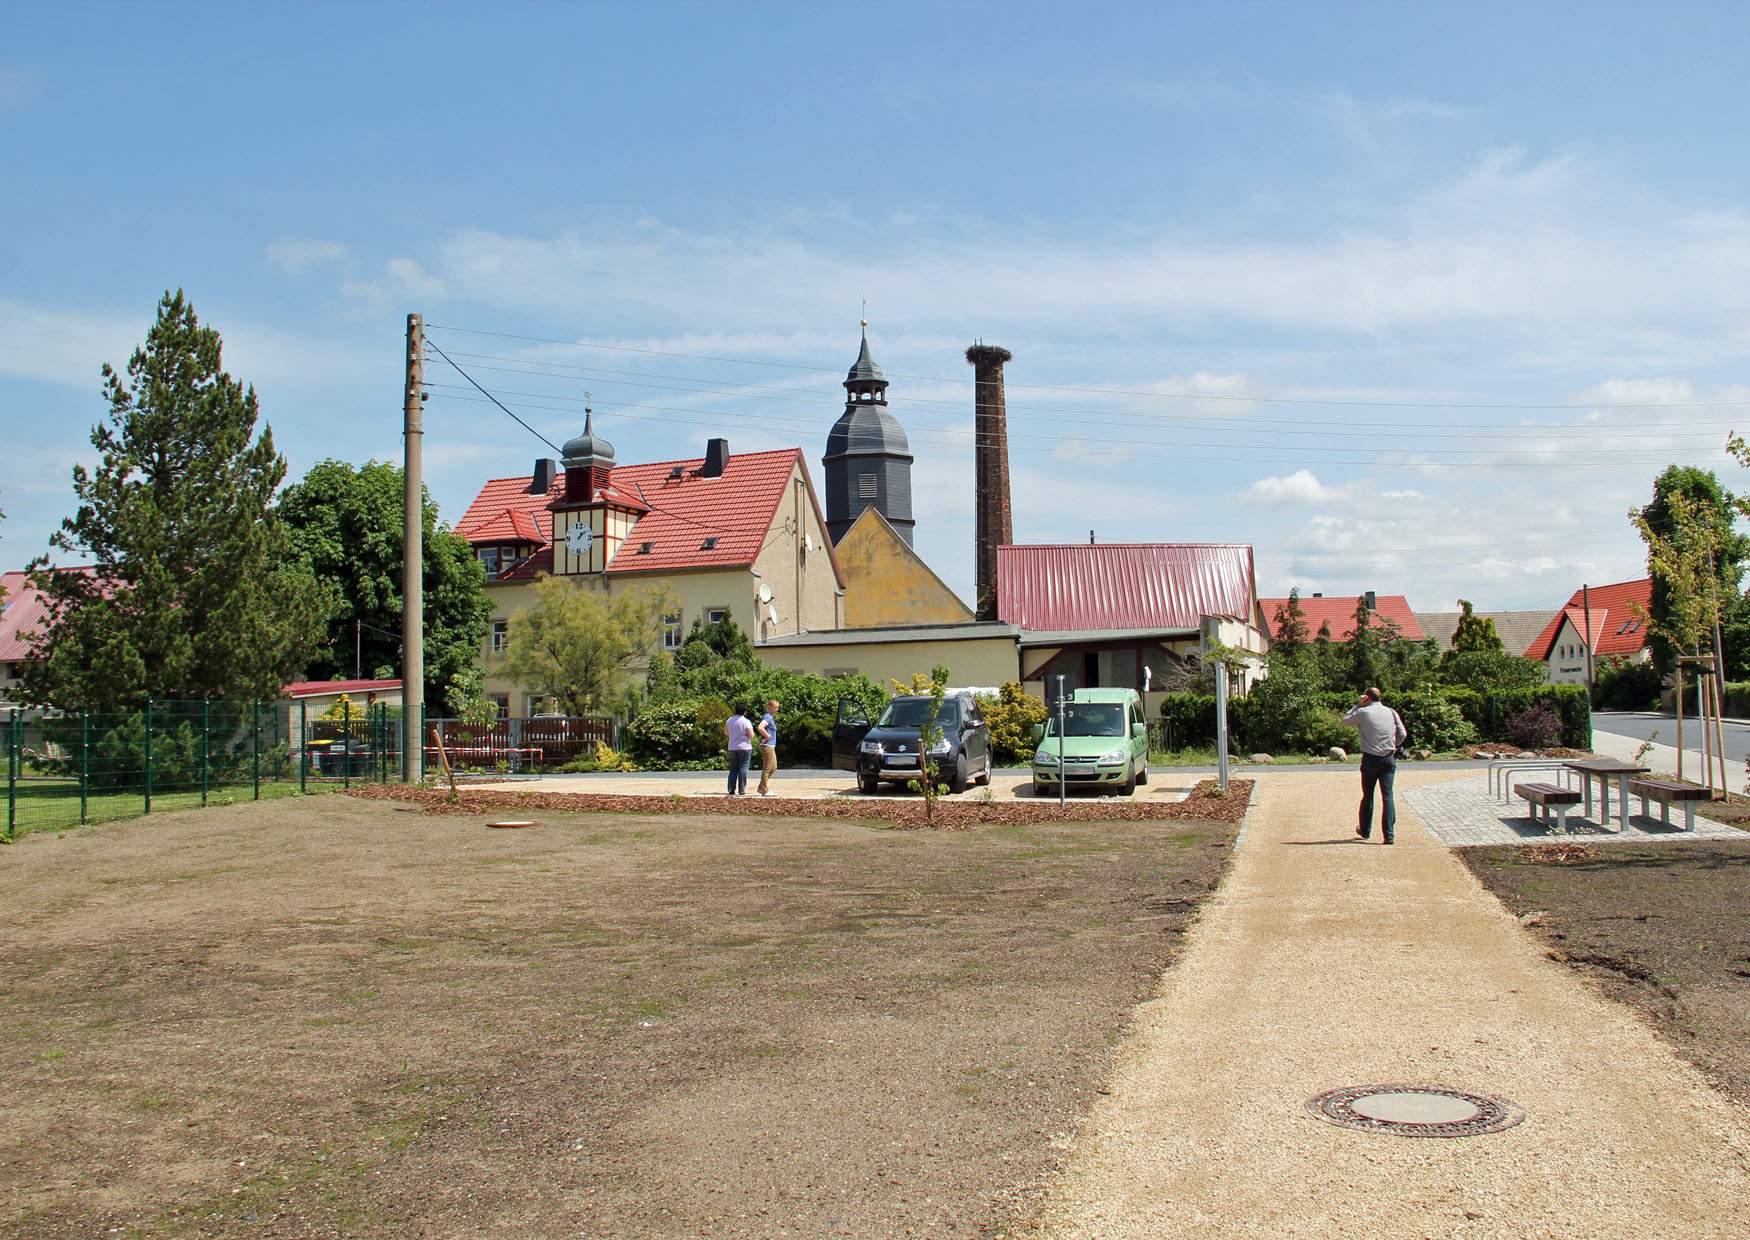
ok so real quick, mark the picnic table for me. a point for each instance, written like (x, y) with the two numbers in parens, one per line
(1604, 770)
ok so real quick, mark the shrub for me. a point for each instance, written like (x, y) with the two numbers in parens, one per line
(1190, 719)
(1534, 727)
(1488, 671)
(1624, 685)
(1285, 711)
(1434, 721)
(667, 732)
(1011, 715)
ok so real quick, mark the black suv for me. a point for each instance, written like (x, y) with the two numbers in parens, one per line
(888, 748)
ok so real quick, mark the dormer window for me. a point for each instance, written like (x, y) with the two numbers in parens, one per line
(489, 561)
(644, 548)
(710, 544)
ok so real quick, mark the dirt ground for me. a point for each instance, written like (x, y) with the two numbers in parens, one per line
(350, 1018)
(1664, 928)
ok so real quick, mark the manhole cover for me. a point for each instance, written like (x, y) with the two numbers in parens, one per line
(1415, 1110)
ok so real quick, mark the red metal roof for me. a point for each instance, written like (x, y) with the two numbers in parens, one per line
(1616, 627)
(1338, 610)
(22, 610)
(1081, 586)
(679, 510)
(313, 688)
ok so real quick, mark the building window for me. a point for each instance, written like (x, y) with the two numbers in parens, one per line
(501, 704)
(672, 637)
(716, 615)
(500, 639)
(867, 485)
(489, 561)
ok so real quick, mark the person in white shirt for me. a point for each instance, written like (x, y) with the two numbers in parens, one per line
(1382, 734)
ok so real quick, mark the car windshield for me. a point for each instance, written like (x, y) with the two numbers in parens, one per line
(1089, 719)
(911, 713)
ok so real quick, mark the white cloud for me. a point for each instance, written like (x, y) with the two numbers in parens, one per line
(1300, 487)
(296, 256)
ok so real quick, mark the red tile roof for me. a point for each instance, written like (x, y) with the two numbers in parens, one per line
(1616, 627)
(22, 610)
(314, 688)
(679, 510)
(1338, 610)
(1082, 586)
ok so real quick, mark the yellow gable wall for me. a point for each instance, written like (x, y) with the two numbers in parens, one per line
(888, 583)
(989, 662)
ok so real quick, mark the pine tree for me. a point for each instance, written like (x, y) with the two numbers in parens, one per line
(1475, 633)
(193, 593)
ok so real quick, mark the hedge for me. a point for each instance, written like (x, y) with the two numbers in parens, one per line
(1191, 716)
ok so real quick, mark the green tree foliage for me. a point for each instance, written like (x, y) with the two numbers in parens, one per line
(1491, 670)
(1286, 711)
(1011, 716)
(196, 593)
(1291, 631)
(579, 647)
(1366, 648)
(1690, 517)
(1474, 632)
(346, 523)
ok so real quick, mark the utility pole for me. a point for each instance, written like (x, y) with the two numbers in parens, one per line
(1586, 599)
(413, 560)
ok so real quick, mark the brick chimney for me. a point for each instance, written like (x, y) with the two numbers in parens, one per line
(991, 473)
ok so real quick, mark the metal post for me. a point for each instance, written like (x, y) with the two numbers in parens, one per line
(1221, 725)
(1586, 602)
(303, 745)
(346, 734)
(1062, 775)
(1680, 717)
(206, 745)
(413, 557)
(148, 755)
(84, 767)
(255, 743)
(12, 775)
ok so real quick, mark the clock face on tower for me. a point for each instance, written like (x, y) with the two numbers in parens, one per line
(578, 540)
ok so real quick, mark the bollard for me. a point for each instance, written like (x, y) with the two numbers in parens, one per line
(303, 746)
(346, 733)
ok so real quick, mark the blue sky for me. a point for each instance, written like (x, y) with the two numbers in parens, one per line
(1371, 287)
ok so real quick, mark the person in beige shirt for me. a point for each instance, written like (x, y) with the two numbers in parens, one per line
(1382, 734)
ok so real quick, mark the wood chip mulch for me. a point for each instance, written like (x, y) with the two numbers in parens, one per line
(1204, 804)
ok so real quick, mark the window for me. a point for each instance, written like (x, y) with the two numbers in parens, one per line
(867, 485)
(644, 548)
(710, 544)
(500, 638)
(489, 561)
(672, 637)
(716, 615)
(500, 704)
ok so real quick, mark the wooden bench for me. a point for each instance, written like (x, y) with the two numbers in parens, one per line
(1665, 791)
(1544, 796)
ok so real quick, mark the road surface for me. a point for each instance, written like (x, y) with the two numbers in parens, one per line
(1640, 726)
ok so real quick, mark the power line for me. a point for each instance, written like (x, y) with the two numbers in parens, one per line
(489, 396)
(1054, 387)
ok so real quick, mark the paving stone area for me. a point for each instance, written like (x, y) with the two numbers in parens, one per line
(1462, 813)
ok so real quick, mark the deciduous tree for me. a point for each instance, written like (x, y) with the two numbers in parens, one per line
(579, 647)
(346, 522)
(1709, 511)
(195, 592)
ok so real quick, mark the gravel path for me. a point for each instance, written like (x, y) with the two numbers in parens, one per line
(1324, 962)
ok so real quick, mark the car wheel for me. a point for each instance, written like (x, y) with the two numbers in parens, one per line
(1039, 789)
(1128, 787)
(983, 780)
(1142, 775)
(868, 785)
(957, 778)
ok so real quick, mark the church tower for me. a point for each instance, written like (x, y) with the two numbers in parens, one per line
(868, 460)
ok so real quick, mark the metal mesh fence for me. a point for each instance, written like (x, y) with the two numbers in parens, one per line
(66, 768)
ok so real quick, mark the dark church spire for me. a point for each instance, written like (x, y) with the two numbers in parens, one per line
(868, 459)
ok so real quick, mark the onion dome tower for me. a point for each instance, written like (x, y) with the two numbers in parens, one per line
(588, 460)
(868, 459)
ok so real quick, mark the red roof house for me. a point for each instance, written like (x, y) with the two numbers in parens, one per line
(1617, 629)
(1338, 611)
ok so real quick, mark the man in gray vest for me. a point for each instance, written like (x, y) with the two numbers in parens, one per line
(1382, 735)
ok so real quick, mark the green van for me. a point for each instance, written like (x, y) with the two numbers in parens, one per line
(1104, 743)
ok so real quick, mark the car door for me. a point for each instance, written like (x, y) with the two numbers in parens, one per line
(1138, 735)
(849, 728)
(977, 740)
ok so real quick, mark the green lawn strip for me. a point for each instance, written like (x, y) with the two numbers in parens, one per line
(54, 806)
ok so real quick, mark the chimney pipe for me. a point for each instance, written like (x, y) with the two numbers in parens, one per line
(716, 458)
(546, 470)
(991, 454)
(1372, 601)
(1090, 538)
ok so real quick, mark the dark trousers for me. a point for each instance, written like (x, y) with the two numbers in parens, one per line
(738, 771)
(1381, 771)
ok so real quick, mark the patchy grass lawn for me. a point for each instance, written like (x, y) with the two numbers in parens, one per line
(1663, 927)
(338, 1017)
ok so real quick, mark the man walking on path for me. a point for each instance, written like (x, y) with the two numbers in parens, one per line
(768, 731)
(1382, 732)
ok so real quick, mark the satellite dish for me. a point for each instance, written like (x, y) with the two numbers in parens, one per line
(765, 593)
(807, 543)
(771, 615)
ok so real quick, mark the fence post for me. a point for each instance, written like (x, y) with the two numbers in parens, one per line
(148, 755)
(206, 745)
(84, 767)
(303, 745)
(255, 743)
(12, 775)
(346, 733)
